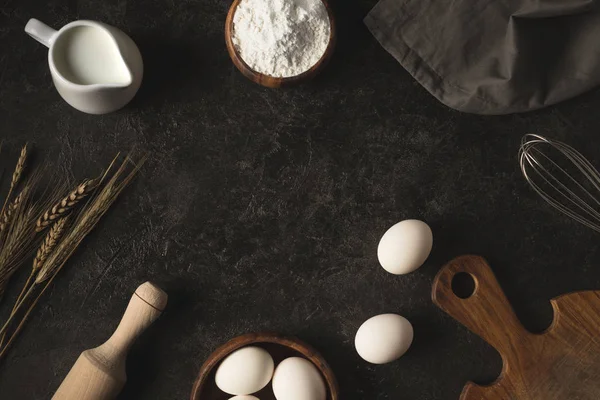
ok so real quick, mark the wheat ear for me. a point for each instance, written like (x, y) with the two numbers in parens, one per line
(8, 212)
(49, 243)
(19, 168)
(63, 207)
(16, 179)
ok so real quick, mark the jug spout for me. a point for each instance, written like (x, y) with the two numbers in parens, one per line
(109, 72)
(118, 83)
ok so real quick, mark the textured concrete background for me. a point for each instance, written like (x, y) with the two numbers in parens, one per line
(262, 209)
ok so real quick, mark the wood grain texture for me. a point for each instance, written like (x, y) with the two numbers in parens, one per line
(280, 347)
(562, 363)
(270, 81)
(99, 374)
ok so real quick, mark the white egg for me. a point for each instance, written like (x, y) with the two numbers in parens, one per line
(244, 398)
(405, 246)
(383, 338)
(245, 371)
(296, 378)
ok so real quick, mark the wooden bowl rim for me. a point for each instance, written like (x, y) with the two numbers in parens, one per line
(266, 337)
(272, 81)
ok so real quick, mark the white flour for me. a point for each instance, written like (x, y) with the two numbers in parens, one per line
(281, 38)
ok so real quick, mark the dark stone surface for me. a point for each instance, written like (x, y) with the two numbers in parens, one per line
(262, 209)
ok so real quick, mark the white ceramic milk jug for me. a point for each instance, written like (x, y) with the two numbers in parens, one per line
(95, 67)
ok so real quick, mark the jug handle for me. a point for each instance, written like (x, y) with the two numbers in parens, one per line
(40, 32)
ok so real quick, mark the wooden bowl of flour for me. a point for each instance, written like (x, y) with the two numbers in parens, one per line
(272, 81)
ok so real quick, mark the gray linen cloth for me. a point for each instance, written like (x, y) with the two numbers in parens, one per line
(494, 56)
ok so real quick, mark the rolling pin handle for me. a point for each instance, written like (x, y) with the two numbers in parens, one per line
(99, 373)
(145, 306)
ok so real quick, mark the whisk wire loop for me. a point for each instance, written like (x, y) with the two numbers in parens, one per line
(563, 177)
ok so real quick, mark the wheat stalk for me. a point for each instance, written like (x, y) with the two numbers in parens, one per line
(4, 349)
(88, 218)
(63, 207)
(50, 241)
(19, 238)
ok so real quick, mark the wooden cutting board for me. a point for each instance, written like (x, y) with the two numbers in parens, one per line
(562, 363)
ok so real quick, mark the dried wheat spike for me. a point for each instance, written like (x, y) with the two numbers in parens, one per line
(19, 168)
(50, 242)
(63, 207)
(5, 218)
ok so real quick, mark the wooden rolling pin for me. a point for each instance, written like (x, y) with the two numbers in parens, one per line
(99, 374)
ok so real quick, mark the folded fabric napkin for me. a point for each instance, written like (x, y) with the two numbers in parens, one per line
(494, 56)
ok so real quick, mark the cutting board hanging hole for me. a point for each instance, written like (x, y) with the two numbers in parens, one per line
(463, 285)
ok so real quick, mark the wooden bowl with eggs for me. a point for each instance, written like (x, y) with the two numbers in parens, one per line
(271, 81)
(279, 347)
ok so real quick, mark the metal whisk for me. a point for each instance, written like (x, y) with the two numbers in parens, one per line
(562, 177)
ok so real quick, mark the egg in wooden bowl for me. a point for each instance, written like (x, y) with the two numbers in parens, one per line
(294, 364)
